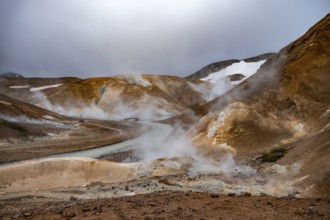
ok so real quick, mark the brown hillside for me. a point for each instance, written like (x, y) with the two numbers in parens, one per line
(285, 105)
(13, 112)
(128, 95)
(24, 94)
(298, 76)
(14, 107)
(28, 131)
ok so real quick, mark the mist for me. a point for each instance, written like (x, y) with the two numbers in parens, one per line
(88, 38)
(26, 120)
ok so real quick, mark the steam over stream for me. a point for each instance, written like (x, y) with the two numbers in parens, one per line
(152, 147)
(177, 150)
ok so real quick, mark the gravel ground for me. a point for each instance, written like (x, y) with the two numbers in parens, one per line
(167, 205)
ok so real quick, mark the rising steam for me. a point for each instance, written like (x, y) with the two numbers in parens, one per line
(176, 143)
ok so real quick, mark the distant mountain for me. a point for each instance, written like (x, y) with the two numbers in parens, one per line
(21, 88)
(10, 74)
(225, 75)
(149, 97)
(218, 66)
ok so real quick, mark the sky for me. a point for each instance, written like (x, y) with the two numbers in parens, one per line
(88, 38)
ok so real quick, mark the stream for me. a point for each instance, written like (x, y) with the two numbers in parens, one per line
(157, 134)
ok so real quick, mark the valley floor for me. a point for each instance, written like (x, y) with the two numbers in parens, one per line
(75, 137)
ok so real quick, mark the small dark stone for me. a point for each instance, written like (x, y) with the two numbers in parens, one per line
(247, 194)
(72, 198)
(214, 196)
(152, 204)
(85, 209)
(312, 211)
(58, 210)
(148, 218)
(231, 194)
(97, 210)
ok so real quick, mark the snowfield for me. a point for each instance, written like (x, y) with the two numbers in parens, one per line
(245, 68)
(220, 81)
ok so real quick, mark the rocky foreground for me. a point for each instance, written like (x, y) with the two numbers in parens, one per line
(168, 205)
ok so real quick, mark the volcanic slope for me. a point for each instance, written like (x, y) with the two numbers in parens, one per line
(149, 97)
(28, 131)
(280, 114)
(13, 111)
(19, 87)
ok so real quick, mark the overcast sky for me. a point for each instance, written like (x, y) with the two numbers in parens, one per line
(106, 37)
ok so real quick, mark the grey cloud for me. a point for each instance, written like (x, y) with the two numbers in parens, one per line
(106, 37)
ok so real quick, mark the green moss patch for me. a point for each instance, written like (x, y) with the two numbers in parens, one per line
(273, 155)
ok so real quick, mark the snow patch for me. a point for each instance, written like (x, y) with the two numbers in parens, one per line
(245, 68)
(20, 87)
(4, 102)
(32, 89)
(48, 117)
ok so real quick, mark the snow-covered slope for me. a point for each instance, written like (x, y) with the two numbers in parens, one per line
(247, 69)
(226, 78)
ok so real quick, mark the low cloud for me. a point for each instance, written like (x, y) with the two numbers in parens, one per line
(100, 37)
